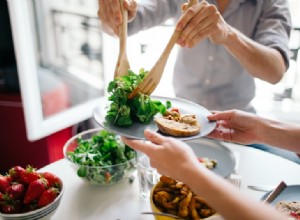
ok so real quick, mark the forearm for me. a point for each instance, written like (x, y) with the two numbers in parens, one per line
(278, 134)
(260, 61)
(227, 200)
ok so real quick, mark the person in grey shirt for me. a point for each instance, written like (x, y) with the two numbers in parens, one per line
(225, 45)
(231, 43)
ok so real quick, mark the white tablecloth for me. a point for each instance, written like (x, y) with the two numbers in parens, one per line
(82, 201)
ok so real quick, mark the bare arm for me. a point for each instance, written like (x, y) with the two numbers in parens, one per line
(282, 135)
(230, 202)
(220, 194)
(246, 128)
(260, 61)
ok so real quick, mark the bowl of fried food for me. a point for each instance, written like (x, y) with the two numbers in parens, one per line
(99, 157)
(169, 196)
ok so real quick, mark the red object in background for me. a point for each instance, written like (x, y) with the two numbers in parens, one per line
(15, 149)
(55, 100)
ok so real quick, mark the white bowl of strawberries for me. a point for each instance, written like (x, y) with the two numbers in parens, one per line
(28, 194)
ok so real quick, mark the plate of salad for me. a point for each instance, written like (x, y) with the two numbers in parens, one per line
(130, 117)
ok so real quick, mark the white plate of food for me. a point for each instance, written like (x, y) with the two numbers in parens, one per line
(214, 150)
(136, 130)
(288, 201)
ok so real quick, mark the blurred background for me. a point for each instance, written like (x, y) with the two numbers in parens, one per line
(64, 64)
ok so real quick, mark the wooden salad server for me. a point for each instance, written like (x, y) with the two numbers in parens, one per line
(122, 65)
(152, 79)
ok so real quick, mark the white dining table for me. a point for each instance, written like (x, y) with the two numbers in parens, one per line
(82, 201)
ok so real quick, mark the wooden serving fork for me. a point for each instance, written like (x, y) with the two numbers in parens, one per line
(150, 82)
(122, 62)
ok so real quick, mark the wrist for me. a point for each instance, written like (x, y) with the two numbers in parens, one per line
(262, 129)
(232, 37)
(194, 175)
(268, 131)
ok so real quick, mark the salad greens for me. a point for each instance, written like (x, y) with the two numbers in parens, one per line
(124, 111)
(97, 156)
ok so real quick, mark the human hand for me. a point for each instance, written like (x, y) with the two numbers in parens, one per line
(169, 156)
(201, 21)
(110, 15)
(235, 126)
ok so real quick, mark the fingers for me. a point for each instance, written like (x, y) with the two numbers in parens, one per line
(154, 137)
(145, 146)
(221, 133)
(131, 7)
(195, 36)
(226, 115)
(138, 145)
(115, 9)
(206, 28)
(187, 16)
(111, 11)
(184, 7)
(199, 21)
(110, 14)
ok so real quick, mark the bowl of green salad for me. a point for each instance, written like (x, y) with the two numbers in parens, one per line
(100, 157)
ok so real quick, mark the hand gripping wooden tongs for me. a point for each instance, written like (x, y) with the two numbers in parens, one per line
(153, 77)
(122, 62)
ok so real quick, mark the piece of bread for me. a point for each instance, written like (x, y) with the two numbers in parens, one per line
(177, 128)
(288, 206)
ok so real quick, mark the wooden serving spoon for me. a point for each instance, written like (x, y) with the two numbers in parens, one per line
(122, 63)
(152, 79)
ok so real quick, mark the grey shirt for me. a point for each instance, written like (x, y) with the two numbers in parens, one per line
(207, 74)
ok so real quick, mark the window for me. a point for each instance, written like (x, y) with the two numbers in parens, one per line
(60, 52)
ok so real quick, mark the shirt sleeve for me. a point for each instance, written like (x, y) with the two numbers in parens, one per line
(274, 27)
(154, 12)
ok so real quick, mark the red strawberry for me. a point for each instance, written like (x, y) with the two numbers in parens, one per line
(4, 183)
(48, 196)
(29, 175)
(11, 206)
(1, 198)
(35, 190)
(4, 198)
(16, 191)
(8, 208)
(29, 207)
(16, 172)
(52, 179)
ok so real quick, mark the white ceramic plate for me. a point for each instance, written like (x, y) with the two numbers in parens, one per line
(290, 193)
(213, 149)
(136, 131)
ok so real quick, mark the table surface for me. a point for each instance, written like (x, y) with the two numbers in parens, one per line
(121, 201)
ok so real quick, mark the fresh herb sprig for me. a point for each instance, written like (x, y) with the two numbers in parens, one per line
(123, 111)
